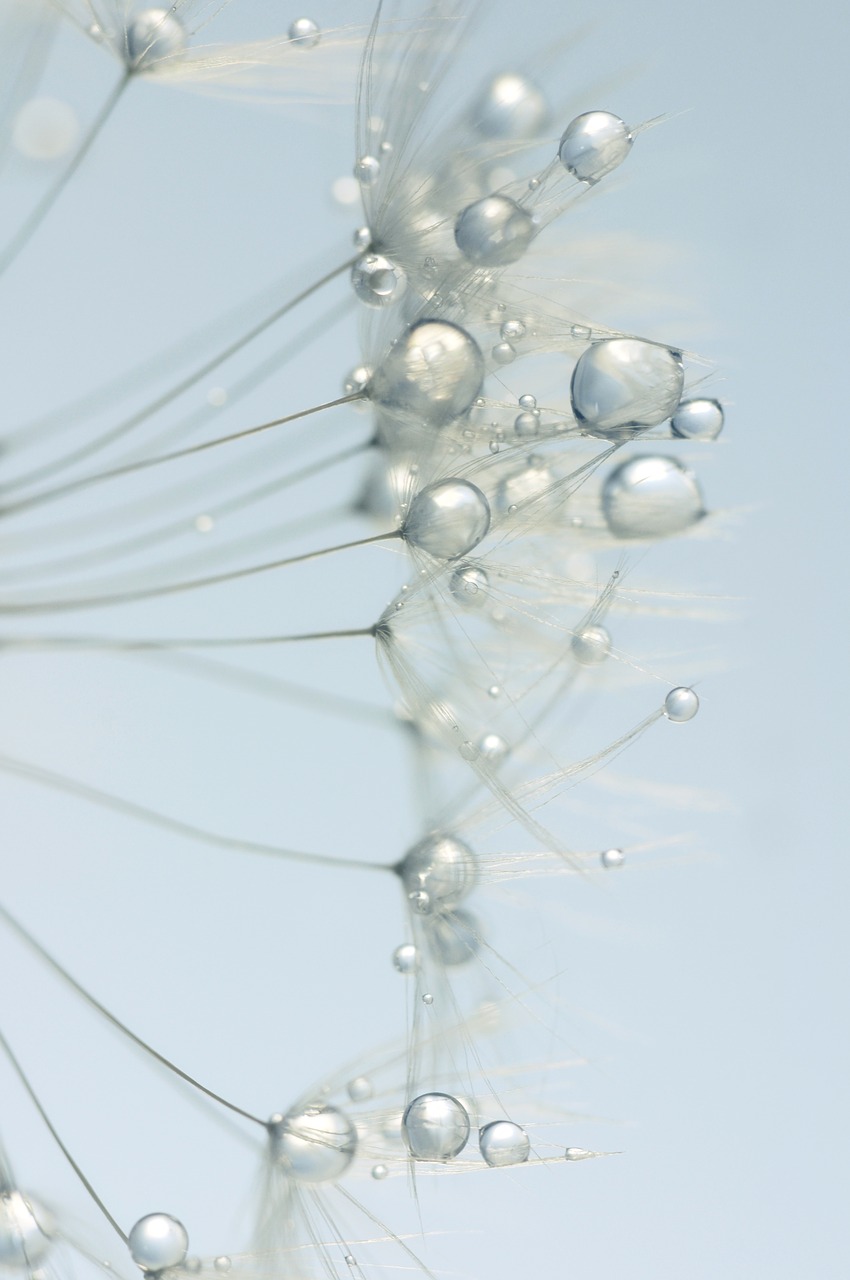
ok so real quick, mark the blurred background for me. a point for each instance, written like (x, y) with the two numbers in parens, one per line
(704, 993)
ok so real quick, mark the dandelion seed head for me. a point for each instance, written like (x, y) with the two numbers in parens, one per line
(594, 144)
(435, 1126)
(699, 419)
(625, 383)
(157, 1242)
(651, 497)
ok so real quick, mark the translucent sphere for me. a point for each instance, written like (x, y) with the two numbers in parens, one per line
(611, 859)
(577, 1153)
(493, 748)
(314, 1145)
(447, 519)
(434, 372)
(152, 35)
(594, 144)
(367, 170)
(454, 937)
(304, 32)
(158, 1242)
(651, 497)
(698, 419)
(360, 1089)
(681, 704)
(503, 1142)
(468, 586)
(441, 866)
(510, 106)
(25, 1230)
(406, 959)
(591, 646)
(435, 1126)
(45, 129)
(625, 382)
(377, 281)
(494, 231)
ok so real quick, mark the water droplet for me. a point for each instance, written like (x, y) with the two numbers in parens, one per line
(405, 958)
(681, 704)
(493, 748)
(360, 1089)
(510, 106)
(582, 332)
(503, 1142)
(45, 129)
(442, 867)
(427, 998)
(594, 144)
(379, 1172)
(468, 585)
(222, 1263)
(454, 937)
(527, 424)
(494, 446)
(651, 497)
(157, 1242)
(591, 646)
(367, 170)
(494, 691)
(420, 901)
(447, 519)
(625, 382)
(377, 281)
(512, 330)
(577, 1153)
(435, 1126)
(357, 380)
(698, 419)
(494, 231)
(350, 1260)
(434, 372)
(528, 402)
(468, 751)
(612, 859)
(503, 353)
(304, 33)
(313, 1145)
(362, 238)
(153, 34)
(25, 1230)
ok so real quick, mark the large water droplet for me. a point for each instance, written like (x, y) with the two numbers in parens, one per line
(377, 281)
(494, 231)
(503, 1142)
(698, 419)
(435, 1126)
(441, 866)
(625, 382)
(157, 1242)
(594, 144)
(434, 372)
(651, 497)
(313, 1145)
(447, 519)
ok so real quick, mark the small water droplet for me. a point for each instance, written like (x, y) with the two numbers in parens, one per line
(698, 419)
(367, 170)
(405, 958)
(511, 330)
(503, 353)
(493, 748)
(362, 238)
(494, 691)
(428, 998)
(577, 1153)
(379, 1172)
(651, 497)
(681, 704)
(502, 1143)
(528, 402)
(612, 859)
(582, 332)
(360, 1089)
(304, 33)
(223, 1264)
(593, 145)
(527, 424)
(625, 383)
(468, 751)
(494, 231)
(591, 645)
(494, 446)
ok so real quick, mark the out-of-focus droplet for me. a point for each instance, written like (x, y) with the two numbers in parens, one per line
(223, 1264)
(45, 129)
(577, 1153)
(152, 35)
(304, 33)
(591, 645)
(594, 144)
(625, 382)
(494, 232)
(367, 170)
(447, 519)
(405, 959)
(360, 1089)
(454, 937)
(512, 330)
(503, 353)
(442, 867)
(435, 1126)
(527, 424)
(25, 1230)
(503, 1143)
(433, 372)
(651, 497)
(313, 1145)
(379, 1172)
(493, 749)
(681, 704)
(611, 859)
(377, 281)
(510, 106)
(698, 419)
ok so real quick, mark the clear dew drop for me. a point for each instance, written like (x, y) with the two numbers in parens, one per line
(594, 144)
(223, 1264)
(434, 372)
(651, 497)
(582, 332)
(512, 330)
(360, 1089)
(357, 380)
(612, 859)
(503, 353)
(25, 1230)
(681, 704)
(362, 238)
(447, 519)
(152, 35)
(577, 1153)
(468, 586)
(511, 107)
(591, 646)
(526, 425)
(157, 1242)
(435, 1126)
(493, 749)
(304, 33)
(625, 382)
(528, 402)
(313, 1145)
(379, 1172)
(428, 998)
(503, 1143)
(442, 867)
(377, 281)
(494, 232)
(454, 937)
(698, 420)
(367, 170)
(406, 959)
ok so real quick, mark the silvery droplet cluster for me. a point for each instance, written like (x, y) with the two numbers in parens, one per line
(518, 451)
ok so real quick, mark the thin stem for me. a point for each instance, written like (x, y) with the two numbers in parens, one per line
(63, 973)
(22, 1076)
(97, 644)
